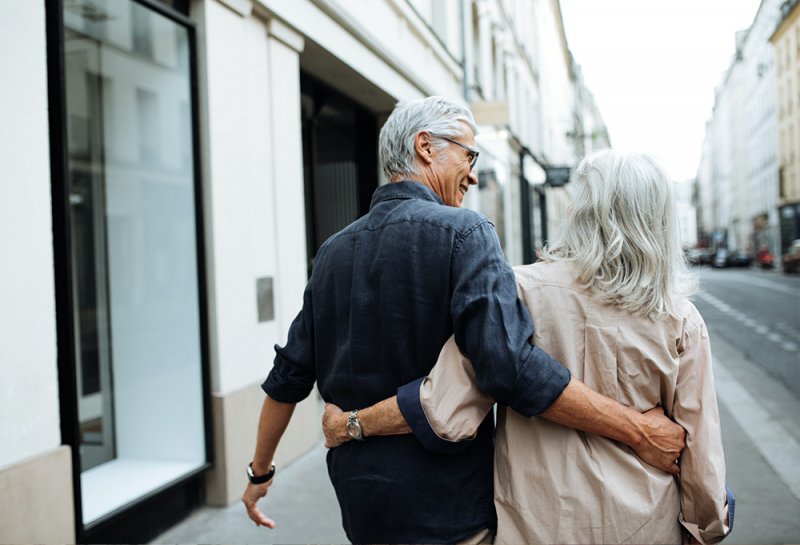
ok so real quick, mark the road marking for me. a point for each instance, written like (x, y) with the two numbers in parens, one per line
(753, 280)
(789, 347)
(780, 450)
(746, 320)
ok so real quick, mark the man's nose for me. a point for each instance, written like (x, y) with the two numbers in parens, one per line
(473, 177)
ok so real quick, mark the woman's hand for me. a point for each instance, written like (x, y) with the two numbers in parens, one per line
(334, 426)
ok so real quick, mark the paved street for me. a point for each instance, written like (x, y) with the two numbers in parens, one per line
(754, 322)
(753, 317)
(758, 312)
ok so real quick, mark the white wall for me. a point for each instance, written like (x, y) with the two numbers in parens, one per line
(240, 199)
(556, 88)
(29, 417)
(381, 39)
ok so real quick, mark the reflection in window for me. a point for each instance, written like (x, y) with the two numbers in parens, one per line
(133, 251)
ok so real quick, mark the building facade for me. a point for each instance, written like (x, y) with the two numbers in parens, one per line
(786, 42)
(744, 201)
(171, 168)
(761, 129)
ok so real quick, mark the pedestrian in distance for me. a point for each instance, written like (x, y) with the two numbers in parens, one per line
(384, 296)
(610, 298)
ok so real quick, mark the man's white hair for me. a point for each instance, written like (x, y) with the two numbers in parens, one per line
(435, 115)
(622, 234)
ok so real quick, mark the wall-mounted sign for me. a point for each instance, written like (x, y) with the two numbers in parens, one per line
(490, 112)
(557, 176)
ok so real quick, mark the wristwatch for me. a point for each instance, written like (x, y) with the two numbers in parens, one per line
(260, 479)
(354, 426)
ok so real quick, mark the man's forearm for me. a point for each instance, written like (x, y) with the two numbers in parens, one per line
(275, 416)
(582, 408)
(654, 438)
(383, 418)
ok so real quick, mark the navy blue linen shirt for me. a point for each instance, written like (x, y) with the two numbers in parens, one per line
(385, 294)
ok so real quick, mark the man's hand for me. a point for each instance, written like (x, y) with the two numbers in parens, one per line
(334, 426)
(252, 494)
(663, 441)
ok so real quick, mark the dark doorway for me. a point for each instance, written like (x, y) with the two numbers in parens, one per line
(340, 160)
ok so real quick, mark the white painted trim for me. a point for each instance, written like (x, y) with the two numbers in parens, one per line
(286, 35)
(242, 7)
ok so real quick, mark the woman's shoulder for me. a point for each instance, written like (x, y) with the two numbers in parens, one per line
(554, 273)
(687, 313)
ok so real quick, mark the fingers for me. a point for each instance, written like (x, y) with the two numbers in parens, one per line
(658, 410)
(673, 469)
(333, 426)
(250, 499)
(259, 518)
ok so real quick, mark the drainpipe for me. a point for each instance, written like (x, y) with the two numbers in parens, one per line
(525, 211)
(464, 64)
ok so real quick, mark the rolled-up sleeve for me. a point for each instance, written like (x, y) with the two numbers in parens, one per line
(492, 326)
(293, 374)
(445, 408)
(707, 506)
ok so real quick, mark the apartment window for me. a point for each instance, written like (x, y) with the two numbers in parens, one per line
(133, 256)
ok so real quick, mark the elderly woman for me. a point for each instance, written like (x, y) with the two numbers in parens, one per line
(609, 300)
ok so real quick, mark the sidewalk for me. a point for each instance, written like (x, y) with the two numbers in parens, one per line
(760, 435)
(301, 502)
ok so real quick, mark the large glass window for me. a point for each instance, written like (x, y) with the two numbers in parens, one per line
(133, 251)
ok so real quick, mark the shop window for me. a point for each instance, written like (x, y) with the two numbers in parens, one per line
(133, 253)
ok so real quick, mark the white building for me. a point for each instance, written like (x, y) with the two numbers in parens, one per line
(738, 177)
(686, 211)
(761, 128)
(171, 167)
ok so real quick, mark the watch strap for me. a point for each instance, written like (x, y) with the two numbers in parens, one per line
(354, 429)
(260, 479)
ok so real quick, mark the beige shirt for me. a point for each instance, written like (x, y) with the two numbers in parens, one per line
(558, 485)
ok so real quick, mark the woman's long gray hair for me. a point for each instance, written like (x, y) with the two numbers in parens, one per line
(622, 234)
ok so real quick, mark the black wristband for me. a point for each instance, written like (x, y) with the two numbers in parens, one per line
(260, 479)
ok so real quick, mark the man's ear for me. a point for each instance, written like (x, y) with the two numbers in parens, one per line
(423, 148)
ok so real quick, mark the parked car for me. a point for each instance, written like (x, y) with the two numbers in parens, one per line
(720, 258)
(727, 258)
(740, 258)
(699, 256)
(791, 259)
(765, 258)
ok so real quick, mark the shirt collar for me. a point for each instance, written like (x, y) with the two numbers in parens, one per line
(405, 189)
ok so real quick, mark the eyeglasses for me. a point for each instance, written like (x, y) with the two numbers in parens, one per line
(472, 154)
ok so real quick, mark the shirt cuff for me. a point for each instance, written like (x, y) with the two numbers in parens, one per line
(542, 381)
(411, 407)
(731, 508)
(279, 390)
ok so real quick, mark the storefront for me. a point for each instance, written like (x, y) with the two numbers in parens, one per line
(170, 174)
(790, 225)
(128, 245)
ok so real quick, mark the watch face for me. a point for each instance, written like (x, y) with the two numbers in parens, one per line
(354, 430)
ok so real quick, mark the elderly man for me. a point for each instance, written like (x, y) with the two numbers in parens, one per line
(385, 294)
